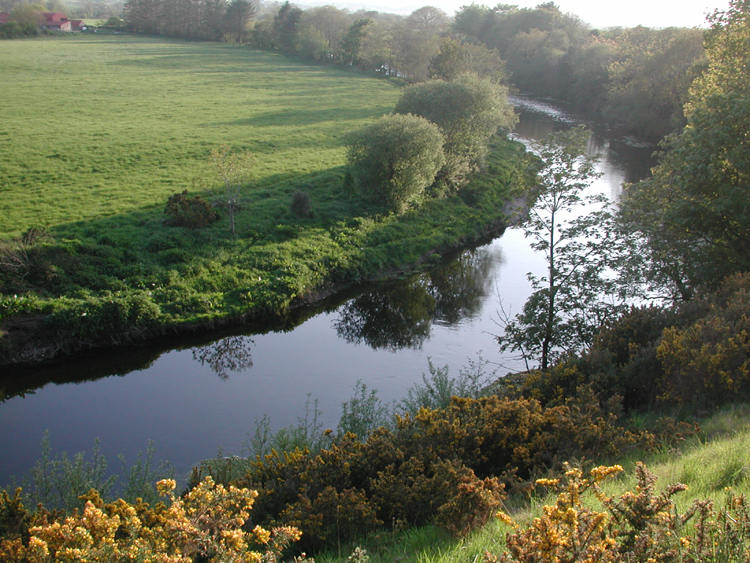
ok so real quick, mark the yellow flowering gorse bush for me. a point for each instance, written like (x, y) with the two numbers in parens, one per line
(205, 524)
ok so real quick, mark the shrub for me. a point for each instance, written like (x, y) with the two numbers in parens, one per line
(191, 212)
(637, 526)
(206, 524)
(301, 205)
(393, 160)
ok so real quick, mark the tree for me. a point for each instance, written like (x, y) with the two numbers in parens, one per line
(238, 15)
(694, 212)
(468, 111)
(235, 171)
(393, 160)
(578, 292)
(351, 43)
(456, 59)
(286, 27)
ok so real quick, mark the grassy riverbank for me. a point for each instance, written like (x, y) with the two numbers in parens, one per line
(102, 130)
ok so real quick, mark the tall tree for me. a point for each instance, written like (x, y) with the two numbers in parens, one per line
(577, 292)
(239, 13)
(286, 27)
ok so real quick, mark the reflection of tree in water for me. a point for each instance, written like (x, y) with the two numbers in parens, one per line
(394, 317)
(400, 314)
(228, 354)
(459, 288)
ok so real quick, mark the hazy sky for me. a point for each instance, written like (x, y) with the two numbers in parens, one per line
(598, 13)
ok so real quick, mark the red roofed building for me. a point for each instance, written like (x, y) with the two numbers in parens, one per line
(56, 21)
(4, 17)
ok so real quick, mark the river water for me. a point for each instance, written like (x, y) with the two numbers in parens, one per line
(197, 395)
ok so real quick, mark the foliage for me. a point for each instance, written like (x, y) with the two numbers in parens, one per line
(206, 524)
(393, 160)
(57, 482)
(468, 112)
(649, 78)
(579, 291)
(636, 526)
(191, 212)
(14, 30)
(301, 205)
(456, 59)
(693, 212)
(708, 361)
(446, 465)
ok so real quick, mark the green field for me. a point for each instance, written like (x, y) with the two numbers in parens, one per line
(98, 131)
(97, 126)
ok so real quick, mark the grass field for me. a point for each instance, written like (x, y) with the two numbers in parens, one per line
(98, 131)
(97, 126)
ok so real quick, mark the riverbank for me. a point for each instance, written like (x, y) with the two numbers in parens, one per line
(294, 263)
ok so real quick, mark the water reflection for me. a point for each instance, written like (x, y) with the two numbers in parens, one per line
(400, 315)
(230, 354)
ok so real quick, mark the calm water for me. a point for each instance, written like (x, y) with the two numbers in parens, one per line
(192, 397)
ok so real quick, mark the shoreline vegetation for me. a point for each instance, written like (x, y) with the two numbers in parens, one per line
(87, 258)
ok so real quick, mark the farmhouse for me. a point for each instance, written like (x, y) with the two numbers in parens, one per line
(55, 21)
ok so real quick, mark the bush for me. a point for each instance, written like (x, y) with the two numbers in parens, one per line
(393, 160)
(641, 525)
(190, 212)
(301, 205)
(206, 524)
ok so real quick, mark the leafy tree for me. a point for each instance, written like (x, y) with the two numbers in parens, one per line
(649, 78)
(351, 43)
(468, 111)
(694, 213)
(286, 27)
(393, 160)
(456, 58)
(577, 294)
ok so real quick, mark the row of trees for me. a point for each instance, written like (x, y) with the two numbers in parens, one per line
(82, 9)
(210, 20)
(637, 76)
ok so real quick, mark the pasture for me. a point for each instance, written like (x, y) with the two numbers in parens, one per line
(96, 126)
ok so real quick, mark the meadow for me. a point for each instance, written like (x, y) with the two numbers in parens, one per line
(97, 126)
(101, 130)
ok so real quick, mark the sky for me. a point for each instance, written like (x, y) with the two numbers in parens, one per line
(597, 13)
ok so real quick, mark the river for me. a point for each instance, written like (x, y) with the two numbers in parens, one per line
(194, 396)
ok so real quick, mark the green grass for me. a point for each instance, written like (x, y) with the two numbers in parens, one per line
(100, 126)
(101, 130)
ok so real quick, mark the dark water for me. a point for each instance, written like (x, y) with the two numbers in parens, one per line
(198, 394)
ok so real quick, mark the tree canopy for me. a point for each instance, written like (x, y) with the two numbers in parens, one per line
(694, 211)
